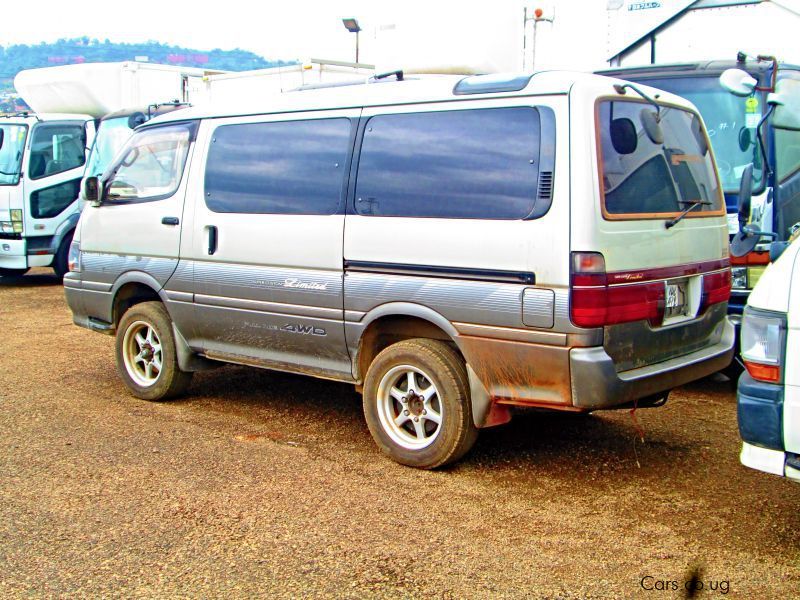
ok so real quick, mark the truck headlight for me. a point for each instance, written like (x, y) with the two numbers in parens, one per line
(739, 278)
(74, 257)
(16, 214)
(763, 341)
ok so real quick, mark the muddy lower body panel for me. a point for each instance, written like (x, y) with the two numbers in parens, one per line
(585, 378)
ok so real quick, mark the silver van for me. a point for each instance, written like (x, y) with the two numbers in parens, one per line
(451, 246)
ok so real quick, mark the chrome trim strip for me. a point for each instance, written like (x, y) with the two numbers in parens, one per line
(96, 286)
(354, 316)
(180, 296)
(507, 333)
(299, 310)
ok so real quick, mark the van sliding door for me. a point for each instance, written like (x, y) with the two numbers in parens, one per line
(266, 249)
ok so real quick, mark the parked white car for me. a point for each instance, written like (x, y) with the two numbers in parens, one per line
(451, 246)
(768, 397)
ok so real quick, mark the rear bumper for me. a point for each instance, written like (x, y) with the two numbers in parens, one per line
(759, 408)
(596, 383)
(775, 462)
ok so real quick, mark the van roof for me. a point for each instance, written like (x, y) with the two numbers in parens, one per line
(382, 92)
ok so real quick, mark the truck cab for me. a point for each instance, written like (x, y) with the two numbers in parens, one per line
(42, 158)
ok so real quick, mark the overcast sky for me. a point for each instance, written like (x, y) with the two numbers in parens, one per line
(286, 29)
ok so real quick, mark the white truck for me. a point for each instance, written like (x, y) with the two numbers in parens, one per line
(43, 154)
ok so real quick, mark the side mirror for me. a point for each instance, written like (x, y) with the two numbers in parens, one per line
(786, 99)
(136, 119)
(623, 136)
(745, 139)
(737, 82)
(91, 189)
(776, 249)
(651, 126)
(745, 239)
(745, 195)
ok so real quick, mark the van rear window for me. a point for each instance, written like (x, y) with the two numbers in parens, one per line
(654, 163)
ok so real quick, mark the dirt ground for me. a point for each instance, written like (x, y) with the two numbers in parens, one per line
(266, 484)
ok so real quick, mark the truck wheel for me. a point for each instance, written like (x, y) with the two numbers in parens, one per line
(12, 272)
(417, 404)
(60, 261)
(146, 356)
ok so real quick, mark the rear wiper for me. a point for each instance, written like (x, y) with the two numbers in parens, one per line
(692, 205)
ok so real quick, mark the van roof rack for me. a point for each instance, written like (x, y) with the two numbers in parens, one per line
(380, 78)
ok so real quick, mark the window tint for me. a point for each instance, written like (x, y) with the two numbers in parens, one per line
(787, 153)
(468, 164)
(48, 202)
(287, 167)
(151, 164)
(726, 117)
(642, 176)
(56, 148)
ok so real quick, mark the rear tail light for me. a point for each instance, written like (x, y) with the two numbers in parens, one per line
(593, 303)
(716, 288)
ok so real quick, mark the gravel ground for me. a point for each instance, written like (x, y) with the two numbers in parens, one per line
(266, 484)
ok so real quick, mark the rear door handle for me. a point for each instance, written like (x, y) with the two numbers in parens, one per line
(170, 221)
(212, 239)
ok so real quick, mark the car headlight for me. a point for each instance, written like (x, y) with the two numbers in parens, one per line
(739, 278)
(763, 340)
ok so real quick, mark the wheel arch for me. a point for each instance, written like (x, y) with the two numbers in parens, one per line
(133, 288)
(397, 321)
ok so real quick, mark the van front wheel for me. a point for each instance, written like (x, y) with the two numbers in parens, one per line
(417, 404)
(146, 357)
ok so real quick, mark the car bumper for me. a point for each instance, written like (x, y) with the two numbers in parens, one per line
(596, 384)
(771, 461)
(13, 254)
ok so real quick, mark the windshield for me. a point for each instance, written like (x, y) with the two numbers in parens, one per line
(111, 136)
(725, 115)
(11, 153)
(654, 166)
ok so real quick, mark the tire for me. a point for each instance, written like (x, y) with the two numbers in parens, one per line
(144, 335)
(440, 388)
(733, 371)
(9, 273)
(61, 259)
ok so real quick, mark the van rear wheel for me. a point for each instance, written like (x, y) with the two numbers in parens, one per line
(417, 404)
(146, 357)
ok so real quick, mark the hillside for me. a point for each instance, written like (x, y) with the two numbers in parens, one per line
(17, 57)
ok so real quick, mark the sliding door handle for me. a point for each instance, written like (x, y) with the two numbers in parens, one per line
(170, 221)
(212, 239)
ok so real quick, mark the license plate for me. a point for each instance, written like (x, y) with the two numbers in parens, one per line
(676, 299)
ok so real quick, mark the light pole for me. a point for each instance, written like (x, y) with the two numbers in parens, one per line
(352, 26)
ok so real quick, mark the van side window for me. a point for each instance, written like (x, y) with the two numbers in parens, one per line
(151, 164)
(284, 167)
(56, 148)
(462, 164)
